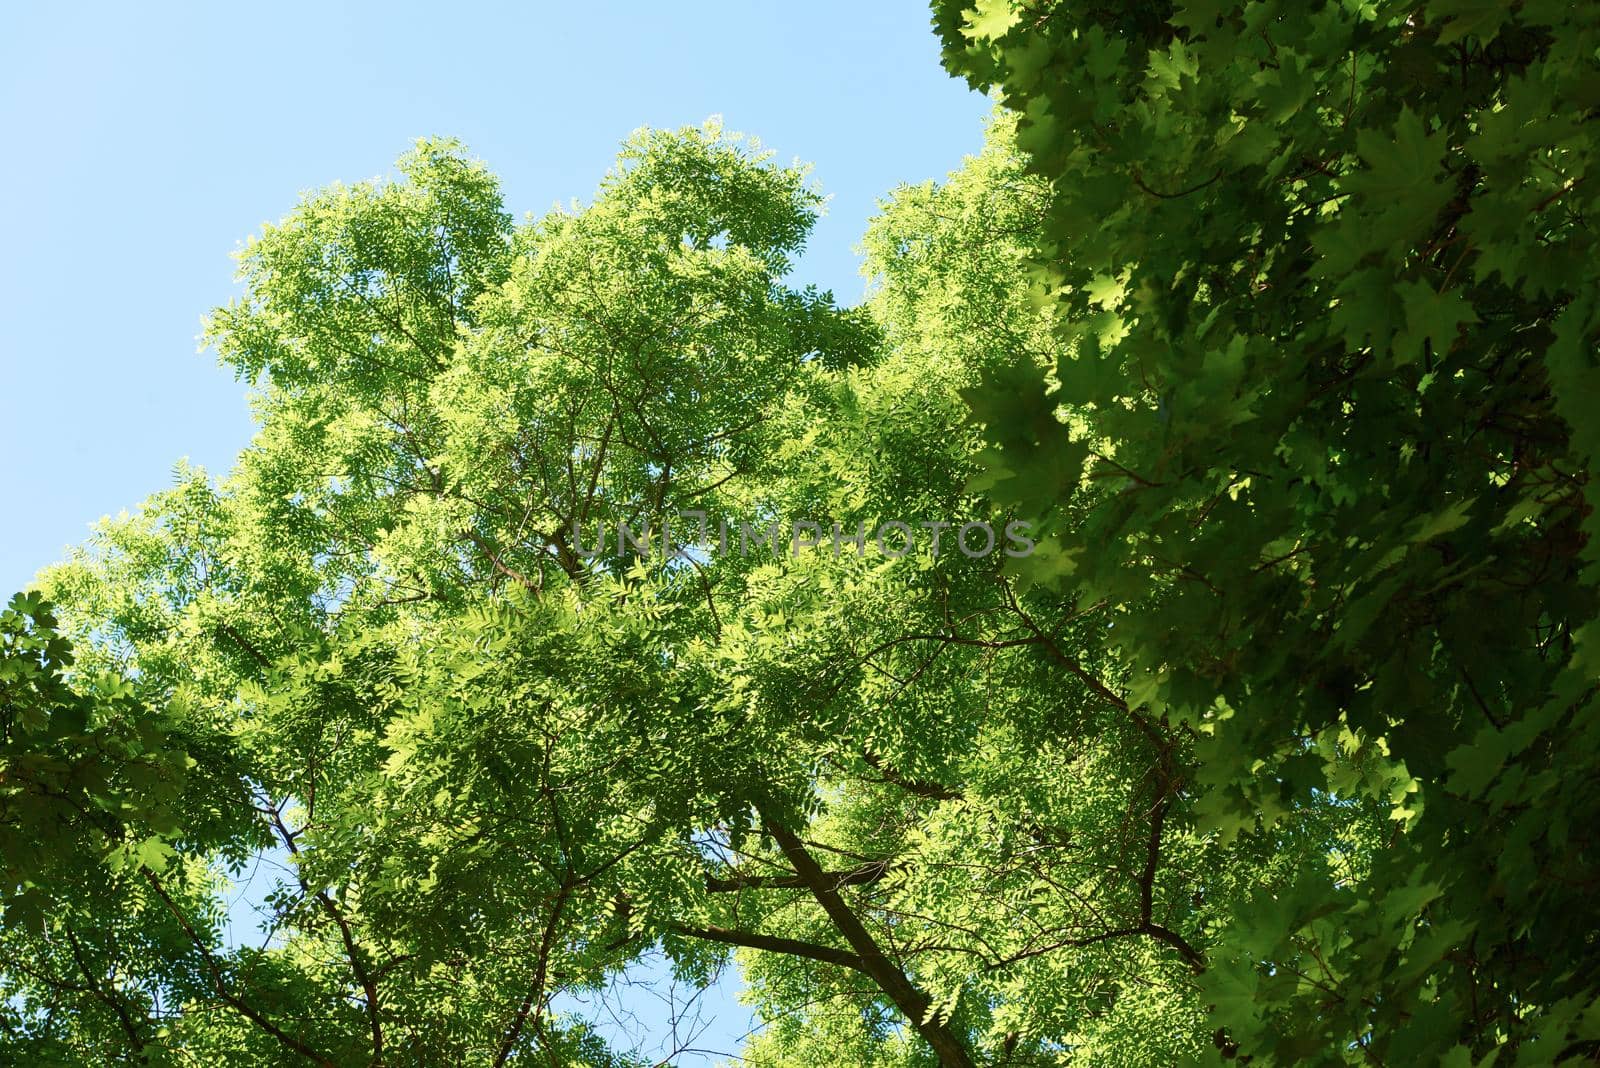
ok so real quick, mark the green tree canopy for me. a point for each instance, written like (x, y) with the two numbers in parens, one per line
(502, 768)
(1269, 330)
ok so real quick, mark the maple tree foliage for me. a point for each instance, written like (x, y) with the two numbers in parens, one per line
(1325, 289)
(1277, 325)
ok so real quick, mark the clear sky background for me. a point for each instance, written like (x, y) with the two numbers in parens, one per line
(145, 142)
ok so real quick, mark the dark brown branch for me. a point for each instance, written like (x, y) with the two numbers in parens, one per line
(911, 1002)
(1151, 930)
(239, 640)
(862, 876)
(352, 952)
(1162, 745)
(1138, 180)
(124, 1018)
(1196, 959)
(1147, 883)
(533, 1004)
(229, 998)
(510, 572)
(772, 944)
(921, 788)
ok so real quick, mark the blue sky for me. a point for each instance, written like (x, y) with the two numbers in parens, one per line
(148, 141)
